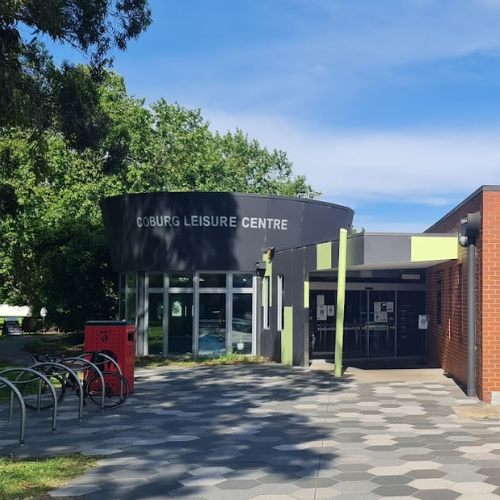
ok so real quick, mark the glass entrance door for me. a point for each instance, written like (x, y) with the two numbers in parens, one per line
(242, 323)
(411, 340)
(355, 332)
(369, 323)
(155, 323)
(180, 323)
(381, 323)
(212, 324)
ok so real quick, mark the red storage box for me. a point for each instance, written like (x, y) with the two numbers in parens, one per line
(117, 337)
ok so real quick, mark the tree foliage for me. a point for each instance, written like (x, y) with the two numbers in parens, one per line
(32, 89)
(53, 250)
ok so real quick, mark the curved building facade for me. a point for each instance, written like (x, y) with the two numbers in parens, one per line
(191, 263)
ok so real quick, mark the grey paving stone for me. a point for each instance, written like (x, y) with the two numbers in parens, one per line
(238, 484)
(320, 482)
(426, 473)
(436, 495)
(396, 490)
(353, 486)
(353, 476)
(391, 480)
(489, 471)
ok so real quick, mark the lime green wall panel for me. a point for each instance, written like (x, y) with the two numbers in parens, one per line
(433, 248)
(306, 293)
(287, 338)
(324, 255)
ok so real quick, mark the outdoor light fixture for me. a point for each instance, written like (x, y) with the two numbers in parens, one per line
(260, 268)
(469, 229)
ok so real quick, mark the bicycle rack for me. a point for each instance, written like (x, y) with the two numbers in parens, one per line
(106, 356)
(96, 370)
(43, 378)
(73, 375)
(15, 391)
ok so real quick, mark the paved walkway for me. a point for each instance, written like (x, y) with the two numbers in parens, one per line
(11, 347)
(274, 433)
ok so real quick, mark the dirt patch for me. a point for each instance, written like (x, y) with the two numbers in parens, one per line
(486, 412)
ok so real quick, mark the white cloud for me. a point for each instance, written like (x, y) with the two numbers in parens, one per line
(427, 168)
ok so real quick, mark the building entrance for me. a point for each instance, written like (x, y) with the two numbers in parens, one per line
(193, 313)
(377, 323)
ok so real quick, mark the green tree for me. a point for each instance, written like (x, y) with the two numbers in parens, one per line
(53, 251)
(28, 77)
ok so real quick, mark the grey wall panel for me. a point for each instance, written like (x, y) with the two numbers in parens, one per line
(310, 259)
(385, 248)
(355, 250)
(299, 337)
(223, 231)
(271, 345)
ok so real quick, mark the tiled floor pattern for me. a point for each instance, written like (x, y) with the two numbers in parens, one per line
(273, 433)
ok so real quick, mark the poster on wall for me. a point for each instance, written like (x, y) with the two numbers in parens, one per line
(377, 307)
(321, 313)
(383, 317)
(390, 307)
(330, 310)
(423, 322)
(320, 300)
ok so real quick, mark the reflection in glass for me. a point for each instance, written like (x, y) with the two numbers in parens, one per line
(131, 299)
(155, 322)
(212, 324)
(213, 280)
(131, 280)
(355, 327)
(180, 323)
(382, 324)
(242, 280)
(155, 280)
(121, 306)
(241, 335)
(181, 280)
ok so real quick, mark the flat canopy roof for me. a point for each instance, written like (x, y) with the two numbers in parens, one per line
(399, 250)
(388, 251)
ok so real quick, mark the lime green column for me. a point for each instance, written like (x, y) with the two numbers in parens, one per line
(287, 337)
(339, 326)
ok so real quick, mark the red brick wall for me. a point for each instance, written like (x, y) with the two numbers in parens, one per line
(447, 342)
(490, 285)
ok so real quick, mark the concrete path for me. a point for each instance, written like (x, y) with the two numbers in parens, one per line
(12, 347)
(274, 433)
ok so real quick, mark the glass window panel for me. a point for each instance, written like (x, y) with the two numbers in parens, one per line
(242, 280)
(265, 302)
(241, 336)
(181, 280)
(131, 299)
(213, 280)
(131, 280)
(212, 324)
(155, 323)
(155, 280)
(180, 323)
(121, 306)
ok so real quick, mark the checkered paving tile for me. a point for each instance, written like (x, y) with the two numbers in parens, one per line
(272, 433)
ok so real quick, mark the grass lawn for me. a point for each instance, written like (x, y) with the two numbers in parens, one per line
(70, 346)
(224, 359)
(32, 478)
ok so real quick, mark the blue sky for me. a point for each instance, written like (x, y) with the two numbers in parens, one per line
(391, 107)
